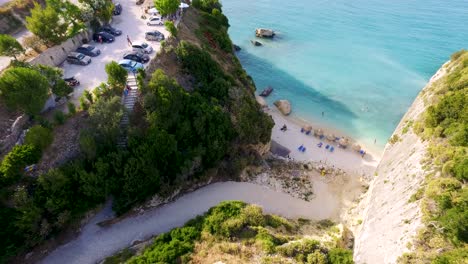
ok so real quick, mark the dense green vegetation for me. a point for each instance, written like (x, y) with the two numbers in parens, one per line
(235, 222)
(166, 7)
(9, 46)
(174, 137)
(445, 199)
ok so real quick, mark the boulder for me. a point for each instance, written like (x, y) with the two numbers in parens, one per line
(264, 33)
(235, 47)
(256, 43)
(284, 106)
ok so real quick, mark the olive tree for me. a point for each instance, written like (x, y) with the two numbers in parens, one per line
(9, 46)
(166, 7)
(25, 89)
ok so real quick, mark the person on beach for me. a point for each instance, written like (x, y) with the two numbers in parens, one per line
(284, 128)
(375, 140)
(129, 41)
(100, 39)
(323, 113)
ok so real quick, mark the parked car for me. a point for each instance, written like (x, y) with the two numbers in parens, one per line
(130, 65)
(88, 50)
(117, 9)
(106, 37)
(154, 35)
(139, 2)
(142, 46)
(78, 58)
(109, 29)
(154, 21)
(137, 56)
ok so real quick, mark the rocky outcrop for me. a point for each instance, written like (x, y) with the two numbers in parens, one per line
(16, 129)
(264, 33)
(284, 106)
(256, 43)
(390, 221)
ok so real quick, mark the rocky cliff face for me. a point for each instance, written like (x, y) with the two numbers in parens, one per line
(390, 221)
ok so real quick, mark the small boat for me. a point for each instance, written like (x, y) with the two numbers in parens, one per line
(267, 91)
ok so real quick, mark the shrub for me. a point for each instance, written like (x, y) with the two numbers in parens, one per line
(116, 75)
(59, 117)
(454, 256)
(71, 108)
(15, 161)
(340, 256)
(171, 28)
(9, 46)
(39, 137)
(317, 258)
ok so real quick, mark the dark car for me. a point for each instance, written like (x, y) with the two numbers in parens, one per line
(88, 50)
(117, 9)
(154, 35)
(137, 56)
(106, 37)
(111, 30)
(78, 58)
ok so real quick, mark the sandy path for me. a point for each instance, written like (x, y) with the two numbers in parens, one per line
(345, 159)
(95, 243)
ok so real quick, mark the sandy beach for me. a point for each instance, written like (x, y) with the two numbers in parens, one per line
(346, 159)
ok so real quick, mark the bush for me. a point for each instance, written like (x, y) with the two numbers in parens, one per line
(71, 108)
(340, 256)
(455, 256)
(171, 28)
(59, 117)
(14, 162)
(317, 258)
(39, 137)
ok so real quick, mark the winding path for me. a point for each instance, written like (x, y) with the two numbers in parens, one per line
(95, 243)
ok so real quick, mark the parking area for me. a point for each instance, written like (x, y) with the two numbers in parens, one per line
(133, 26)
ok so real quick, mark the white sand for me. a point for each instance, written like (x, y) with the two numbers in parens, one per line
(345, 159)
(95, 243)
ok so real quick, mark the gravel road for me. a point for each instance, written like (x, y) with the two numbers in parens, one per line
(95, 243)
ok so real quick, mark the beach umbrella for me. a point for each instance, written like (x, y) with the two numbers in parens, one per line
(356, 147)
(318, 132)
(343, 141)
(308, 128)
(183, 5)
(331, 137)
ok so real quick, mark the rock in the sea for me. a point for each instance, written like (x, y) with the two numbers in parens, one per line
(235, 47)
(256, 43)
(264, 33)
(284, 106)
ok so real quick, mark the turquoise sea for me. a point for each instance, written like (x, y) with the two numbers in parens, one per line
(361, 62)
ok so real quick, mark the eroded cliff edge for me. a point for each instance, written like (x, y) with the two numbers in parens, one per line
(390, 221)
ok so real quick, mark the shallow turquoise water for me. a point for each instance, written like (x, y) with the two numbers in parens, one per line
(361, 62)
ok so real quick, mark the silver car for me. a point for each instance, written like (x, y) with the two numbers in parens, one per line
(78, 58)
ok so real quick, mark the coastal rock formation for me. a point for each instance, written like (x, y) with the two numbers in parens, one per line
(264, 33)
(284, 106)
(390, 221)
(256, 43)
(235, 47)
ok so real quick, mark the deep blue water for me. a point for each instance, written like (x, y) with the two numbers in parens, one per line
(361, 62)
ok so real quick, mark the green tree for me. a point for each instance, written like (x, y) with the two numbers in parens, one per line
(9, 46)
(55, 77)
(14, 162)
(167, 7)
(116, 75)
(47, 24)
(39, 137)
(69, 13)
(24, 89)
(102, 8)
(171, 28)
(105, 117)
